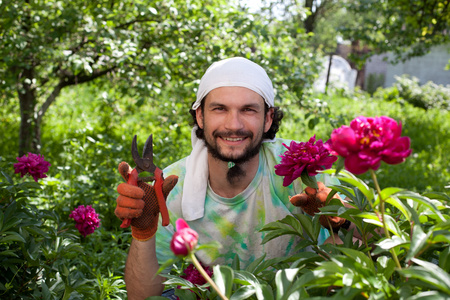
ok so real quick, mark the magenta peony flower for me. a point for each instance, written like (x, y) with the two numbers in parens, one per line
(34, 164)
(184, 239)
(86, 219)
(193, 275)
(367, 142)
(311, 156)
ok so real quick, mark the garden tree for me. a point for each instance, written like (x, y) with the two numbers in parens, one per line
(407, 28)
(304, 12)
(137, 47)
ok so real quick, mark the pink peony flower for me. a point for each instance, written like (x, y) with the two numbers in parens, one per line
(193, 275)
(86, 219)
(184, 239)
(34, 165)
(367, 142)
(311, 156)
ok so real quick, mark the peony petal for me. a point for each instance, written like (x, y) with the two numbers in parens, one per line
(181, 224)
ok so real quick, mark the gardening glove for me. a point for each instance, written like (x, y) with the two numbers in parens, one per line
(140, 204)
(312, 199)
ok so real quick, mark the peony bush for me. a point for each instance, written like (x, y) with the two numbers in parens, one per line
(403, 253)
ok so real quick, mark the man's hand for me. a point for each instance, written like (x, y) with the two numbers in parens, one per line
(140, 204)
(312, 199)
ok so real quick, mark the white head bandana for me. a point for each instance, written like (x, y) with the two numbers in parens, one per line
(236, 71)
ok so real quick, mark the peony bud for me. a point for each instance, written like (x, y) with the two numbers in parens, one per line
(184, 239)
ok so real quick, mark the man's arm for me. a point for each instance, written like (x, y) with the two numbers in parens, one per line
(140, 271)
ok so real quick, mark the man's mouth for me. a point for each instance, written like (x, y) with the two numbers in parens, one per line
(229, 139)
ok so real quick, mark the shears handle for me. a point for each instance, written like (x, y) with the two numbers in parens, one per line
(160, 197)
(133, 180)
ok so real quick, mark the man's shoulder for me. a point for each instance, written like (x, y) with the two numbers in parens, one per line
(276, 147)
(177, 168)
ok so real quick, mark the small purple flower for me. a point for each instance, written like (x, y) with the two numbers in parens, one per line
(86, 219)
(34, 164)
(311, 156)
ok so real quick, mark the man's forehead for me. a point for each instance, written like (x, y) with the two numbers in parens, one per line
(236, 95)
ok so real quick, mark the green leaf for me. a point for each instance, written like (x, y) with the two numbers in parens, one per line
(244, 292)
(236, 265)
(429, 295)
(245, 278)
(11, 222)
(7, 177)
(394, 241)
(307, 225)
(444, 259)
(9, 253)
(385, 266)
(422, 200)
(45, 291)
(348, 177)
(185, 294)
(283, 280)
(428, 273)
(264, 292)
(29, 185)
(287, 226)
(437, 195)
(360, 257)
(340, 163)
(167, 264)
(11, 236)
(223, 277)
(1, 220)
(418, 241)
(176, 280)
(394, 201)
(252, 266)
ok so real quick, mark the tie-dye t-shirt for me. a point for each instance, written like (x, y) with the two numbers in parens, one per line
(235, 222)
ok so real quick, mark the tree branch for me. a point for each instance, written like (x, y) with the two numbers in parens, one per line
(67, 81)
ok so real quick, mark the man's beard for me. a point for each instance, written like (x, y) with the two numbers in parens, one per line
(235, 172)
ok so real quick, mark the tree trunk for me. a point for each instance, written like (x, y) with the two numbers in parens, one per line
(310, 20)
(27, 100)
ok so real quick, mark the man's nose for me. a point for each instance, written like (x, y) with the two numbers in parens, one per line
(234, 121)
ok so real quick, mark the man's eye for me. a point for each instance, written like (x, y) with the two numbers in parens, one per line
(249, 110)
(218, 108)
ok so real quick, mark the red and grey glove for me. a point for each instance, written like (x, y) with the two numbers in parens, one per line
(140, 204)
(312, 199)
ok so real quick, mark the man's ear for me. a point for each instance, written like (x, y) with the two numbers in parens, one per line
(199, 116)
(268, 119)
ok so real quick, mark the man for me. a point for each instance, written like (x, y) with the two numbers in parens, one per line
(227, 188)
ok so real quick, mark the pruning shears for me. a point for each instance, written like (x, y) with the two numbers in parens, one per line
(145, 164)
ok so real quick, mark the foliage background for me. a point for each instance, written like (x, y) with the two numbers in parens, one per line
(87, 132)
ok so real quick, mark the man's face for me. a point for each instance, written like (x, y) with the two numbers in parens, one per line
(234, 121)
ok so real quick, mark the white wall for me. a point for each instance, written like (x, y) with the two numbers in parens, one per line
(430, 67)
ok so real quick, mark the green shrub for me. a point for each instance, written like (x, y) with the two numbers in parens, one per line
(42, 255)
(408, 89)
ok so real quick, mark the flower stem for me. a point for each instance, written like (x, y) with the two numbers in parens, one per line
(386, 231)
(332, 232)
(205, 275)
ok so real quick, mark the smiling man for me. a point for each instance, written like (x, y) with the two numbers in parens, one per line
(234, 120)
(227, 188)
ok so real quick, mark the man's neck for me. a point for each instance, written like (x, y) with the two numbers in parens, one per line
(218, 176)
